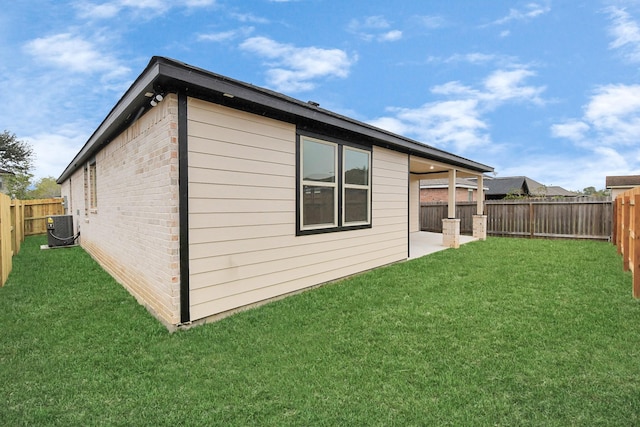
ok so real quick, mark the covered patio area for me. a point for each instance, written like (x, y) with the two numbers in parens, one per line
(423, 243)
(425, 169)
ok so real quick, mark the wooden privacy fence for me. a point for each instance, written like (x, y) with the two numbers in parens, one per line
(36, 213)
(19, 218)
(626, 233)
(583, 218)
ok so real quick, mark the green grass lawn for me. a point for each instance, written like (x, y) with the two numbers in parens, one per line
(503, 332)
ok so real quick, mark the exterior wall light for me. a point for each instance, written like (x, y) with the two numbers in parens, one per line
(156, 99)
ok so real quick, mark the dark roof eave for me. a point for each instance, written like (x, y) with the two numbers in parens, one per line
(119, 116)
(170, 72)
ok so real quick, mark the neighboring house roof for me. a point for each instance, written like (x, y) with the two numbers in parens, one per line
(444, 183)
(627, 181)
(168, 75)
(511, 184)
(524, 186)
(557, 191)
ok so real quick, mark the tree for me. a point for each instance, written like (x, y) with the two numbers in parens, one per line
(45, 188)
(591, 191)
(16, 157)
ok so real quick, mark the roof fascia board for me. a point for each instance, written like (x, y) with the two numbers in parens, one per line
(174, 72)
(211, 81)
(112, 121)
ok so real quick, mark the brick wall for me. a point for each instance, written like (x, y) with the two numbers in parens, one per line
(428, 195)
(134, 231)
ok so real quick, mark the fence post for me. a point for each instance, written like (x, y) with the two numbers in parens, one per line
(531, 221)
(624, 244)
(636, 247)
(619, 223)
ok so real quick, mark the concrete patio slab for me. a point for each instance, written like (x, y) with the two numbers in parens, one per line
(424, 243)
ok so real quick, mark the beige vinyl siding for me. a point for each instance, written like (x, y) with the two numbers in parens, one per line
(243, 246)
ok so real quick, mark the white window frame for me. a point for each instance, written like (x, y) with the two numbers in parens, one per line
(333, 185)
(339, 186)
(346, 186)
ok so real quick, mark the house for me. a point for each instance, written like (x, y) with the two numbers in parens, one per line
(203, 195)
(620, 184)
(521, 186)
(557, 191)
(437, 190)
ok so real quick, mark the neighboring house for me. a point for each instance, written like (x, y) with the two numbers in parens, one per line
(437, 190)
(501, 188)
(557, 191)
(620, 184)
(203, 195)
(4, 174)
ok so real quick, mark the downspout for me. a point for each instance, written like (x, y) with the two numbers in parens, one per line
(183, 191)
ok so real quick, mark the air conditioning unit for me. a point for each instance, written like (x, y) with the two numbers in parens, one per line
(60, 230)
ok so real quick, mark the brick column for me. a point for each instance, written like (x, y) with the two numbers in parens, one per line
(480, 227)
(451, 232)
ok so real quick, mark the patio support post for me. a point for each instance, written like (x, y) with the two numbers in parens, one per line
(480, 220)
(452, 194)
(451, 225)
(414, 203)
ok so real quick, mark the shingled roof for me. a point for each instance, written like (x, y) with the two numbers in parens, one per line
(524, 186)
(514, 184)
(623, 181)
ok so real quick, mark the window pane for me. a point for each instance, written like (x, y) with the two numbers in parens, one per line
(318, 205)
(356, 167)
(319, 163)
(355, 205)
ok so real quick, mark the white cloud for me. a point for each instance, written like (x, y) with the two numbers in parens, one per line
(626, 34)
(443, 123)
(608, 131)
(391, 36)
(479, 58)
(374, 28)
(226, 35)
(432, 22)
(614, 113)
(507, 85)
(530, 11)
(574, 130)
(248, 17)
(199, 3)
(111, 9)
(97, 11)
(369, 23)
(579, 170)
(460, 120)
(294, 69)
(74, 54)
(54, 150)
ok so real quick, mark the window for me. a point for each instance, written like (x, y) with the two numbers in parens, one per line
(334, 186)
(356, 188)
(93, 188)
(319, 184)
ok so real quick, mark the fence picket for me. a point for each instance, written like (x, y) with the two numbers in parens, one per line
(584, 218)
(17, 220)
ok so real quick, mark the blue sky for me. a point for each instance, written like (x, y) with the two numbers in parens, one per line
(547, 89)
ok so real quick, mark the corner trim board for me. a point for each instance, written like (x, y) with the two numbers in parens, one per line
(183, 191)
